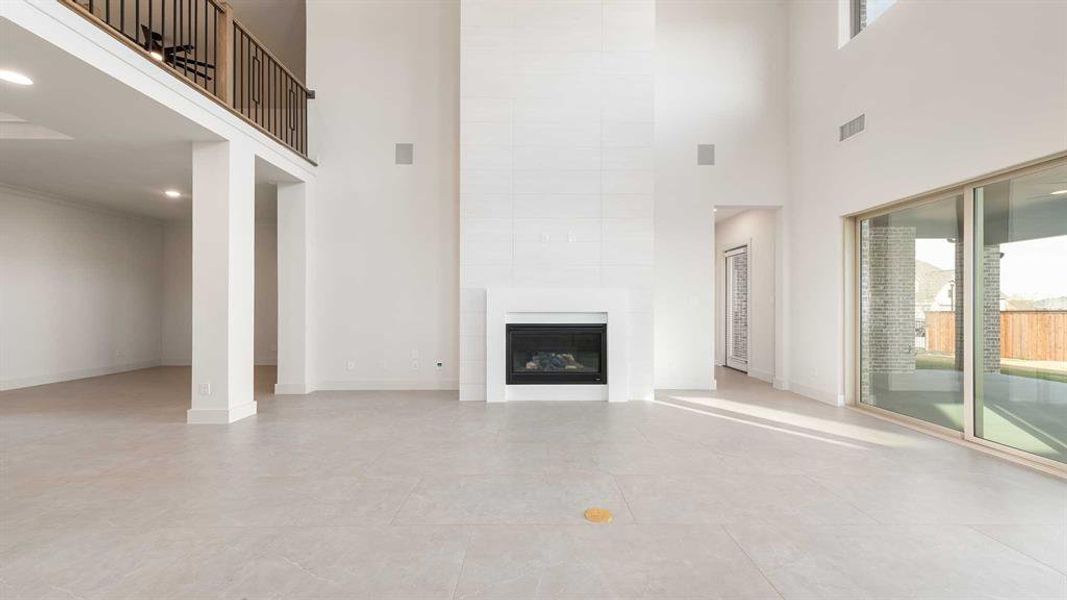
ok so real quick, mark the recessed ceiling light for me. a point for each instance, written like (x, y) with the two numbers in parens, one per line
(15, 77)
(1059, 192)
(173, 194)
(714, 210)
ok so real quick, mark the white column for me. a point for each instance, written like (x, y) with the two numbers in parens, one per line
(223, 282)
(293, 221)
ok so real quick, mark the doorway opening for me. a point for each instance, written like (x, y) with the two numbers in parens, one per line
(748, 282)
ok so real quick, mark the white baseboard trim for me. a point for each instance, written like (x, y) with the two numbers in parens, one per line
(831, 398)
(223, 416)
(185, 362)
(780, 384)
(360, 385)
(705, 385)
(292, 388)
(25, 382)
(761, 375)
(176, 362)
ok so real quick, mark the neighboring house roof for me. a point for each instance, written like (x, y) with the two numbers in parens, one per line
(930, 282)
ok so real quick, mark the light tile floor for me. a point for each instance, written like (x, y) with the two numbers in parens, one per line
(744, 493)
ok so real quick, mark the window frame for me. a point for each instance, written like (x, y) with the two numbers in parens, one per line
(852, 358)
(856, 24)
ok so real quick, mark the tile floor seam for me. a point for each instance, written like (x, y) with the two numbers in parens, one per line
(976, 529)
(842, 499)
(625, 500)
(462, 561)
(400, 505)
(751, 560)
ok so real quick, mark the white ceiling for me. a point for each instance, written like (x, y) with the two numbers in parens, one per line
(124, 148)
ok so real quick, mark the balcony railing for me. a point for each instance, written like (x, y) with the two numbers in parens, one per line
(202, 43)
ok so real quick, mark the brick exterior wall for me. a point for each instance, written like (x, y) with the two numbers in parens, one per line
(887, 288)
(739, 330)
(990, 307)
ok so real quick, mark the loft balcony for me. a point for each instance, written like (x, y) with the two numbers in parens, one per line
(203, 44)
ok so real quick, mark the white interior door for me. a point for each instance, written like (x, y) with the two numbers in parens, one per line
(737, 308)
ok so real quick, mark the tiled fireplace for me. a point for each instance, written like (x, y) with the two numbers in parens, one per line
(557, 344)
(556, 187)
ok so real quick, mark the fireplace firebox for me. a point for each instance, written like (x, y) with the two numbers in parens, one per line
(557, 354)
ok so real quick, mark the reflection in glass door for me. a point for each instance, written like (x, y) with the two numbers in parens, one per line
(1020, 313)
(911, 314)
(737, 308)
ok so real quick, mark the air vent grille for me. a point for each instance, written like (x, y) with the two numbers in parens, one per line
(853, 127)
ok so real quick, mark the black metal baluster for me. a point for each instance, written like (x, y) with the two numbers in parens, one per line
(196, 44)
(174, 21)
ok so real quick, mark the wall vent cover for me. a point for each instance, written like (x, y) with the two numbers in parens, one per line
(405, 154)
(853, 127)
(705, 154)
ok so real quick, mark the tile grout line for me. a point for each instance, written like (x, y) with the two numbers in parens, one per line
(833, 494)
(974, 527)
(462, 563)
(625, 500)
(759, 569)
(400, 505)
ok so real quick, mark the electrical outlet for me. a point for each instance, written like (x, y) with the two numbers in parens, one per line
(415, 354)
(350, 365)
(204, 389)
(414, 365)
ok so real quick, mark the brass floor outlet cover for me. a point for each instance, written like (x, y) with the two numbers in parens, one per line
(598, 515)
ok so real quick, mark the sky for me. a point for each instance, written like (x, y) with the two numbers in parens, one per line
(1030, 269)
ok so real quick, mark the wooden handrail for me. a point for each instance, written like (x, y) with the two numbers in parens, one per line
(194, 40)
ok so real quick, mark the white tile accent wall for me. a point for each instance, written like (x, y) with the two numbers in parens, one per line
(556, 160)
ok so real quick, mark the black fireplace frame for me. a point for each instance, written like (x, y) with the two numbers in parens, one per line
(557, 377)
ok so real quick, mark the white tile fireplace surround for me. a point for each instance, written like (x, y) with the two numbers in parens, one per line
(557, 177)
(557, 305)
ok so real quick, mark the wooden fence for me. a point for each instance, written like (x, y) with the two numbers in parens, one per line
(1024, 334)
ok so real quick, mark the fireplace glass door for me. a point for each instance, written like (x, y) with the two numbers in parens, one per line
(557, 354)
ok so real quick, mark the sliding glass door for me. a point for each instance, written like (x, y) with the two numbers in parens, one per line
(961, 312)
(911, 316)
(1020, 313)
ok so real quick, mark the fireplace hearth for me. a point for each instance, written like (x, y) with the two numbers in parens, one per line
(556, 354)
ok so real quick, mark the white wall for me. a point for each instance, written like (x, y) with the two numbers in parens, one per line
(177, 317)
(951, 90)
(385, 257)
(80, 290)
(758, 229)
(177, 294)
(557, 161)
(720, 79)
